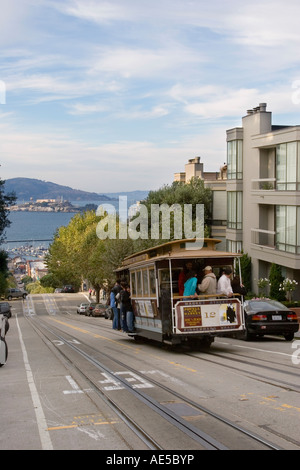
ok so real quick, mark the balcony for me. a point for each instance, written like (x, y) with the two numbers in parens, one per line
(270, 191)
(263, 184)
(263, 238)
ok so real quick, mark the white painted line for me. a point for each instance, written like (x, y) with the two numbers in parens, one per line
(257, 349)
(40, 417)
(75, 388)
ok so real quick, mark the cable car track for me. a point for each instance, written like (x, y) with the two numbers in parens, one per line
(202, 439)
(261, 377)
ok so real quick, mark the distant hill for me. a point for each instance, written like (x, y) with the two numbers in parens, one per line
(30, 188)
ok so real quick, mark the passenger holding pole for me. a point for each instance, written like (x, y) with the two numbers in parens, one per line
(190, 284)
(224, 283)
(208, 285)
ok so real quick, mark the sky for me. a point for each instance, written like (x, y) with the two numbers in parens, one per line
(117, 95)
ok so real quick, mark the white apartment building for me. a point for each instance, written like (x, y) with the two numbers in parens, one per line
(263, 193)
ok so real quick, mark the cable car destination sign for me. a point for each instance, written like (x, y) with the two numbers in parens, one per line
(205, 315)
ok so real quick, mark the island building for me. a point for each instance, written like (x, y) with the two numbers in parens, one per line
(256, 195)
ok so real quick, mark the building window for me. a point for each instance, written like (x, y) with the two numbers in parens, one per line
(235, 160)
(234, 246)
(288, 228)
(287, 167)
(234, 209)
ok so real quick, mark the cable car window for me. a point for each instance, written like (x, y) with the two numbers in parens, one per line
(145, 282)
(132, 284)
(164, 278)
(139, 289)
(152, 282)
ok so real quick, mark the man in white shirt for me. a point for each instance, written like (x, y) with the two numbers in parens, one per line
(224, 283)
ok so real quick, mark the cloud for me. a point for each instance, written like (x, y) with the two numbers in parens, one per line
(144, 63)
(216, 102)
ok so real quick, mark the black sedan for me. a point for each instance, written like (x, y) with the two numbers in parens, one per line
(68, 289)
(5, 309)
(269, 317)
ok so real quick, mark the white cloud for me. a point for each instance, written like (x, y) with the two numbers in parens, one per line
(145, 63)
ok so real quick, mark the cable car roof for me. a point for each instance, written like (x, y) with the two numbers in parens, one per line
(178, 249)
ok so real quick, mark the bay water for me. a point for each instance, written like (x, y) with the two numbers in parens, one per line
(35, 229)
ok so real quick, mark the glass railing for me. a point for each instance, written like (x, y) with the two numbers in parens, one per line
(262, 237)
(263, 184)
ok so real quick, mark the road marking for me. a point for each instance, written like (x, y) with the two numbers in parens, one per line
(131, 377)
(40, 417)
(256, 349)
(75, 387)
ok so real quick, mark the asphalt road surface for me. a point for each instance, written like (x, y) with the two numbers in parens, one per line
(72, 383)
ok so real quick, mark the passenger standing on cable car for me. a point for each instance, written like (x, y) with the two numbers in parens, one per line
(183, 276)
(127, 309)
(114, 305)
(224, 283)
(190, 284)
(123, 300)
(208, 285)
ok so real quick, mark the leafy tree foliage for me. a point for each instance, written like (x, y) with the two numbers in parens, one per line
(6, 200)
(275, 279)
(246, 271)
(194, 192)
(77, 254)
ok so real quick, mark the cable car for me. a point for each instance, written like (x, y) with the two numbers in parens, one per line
(161, 311)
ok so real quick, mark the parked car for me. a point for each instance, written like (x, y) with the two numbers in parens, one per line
(68, 289)
(58, 290)
(90, 309)
(99, 311)
(269, 317)
(15, 294)
(5, 309)
(81, 309)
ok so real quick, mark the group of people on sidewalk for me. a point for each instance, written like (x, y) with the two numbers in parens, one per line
(120, 303)
(189, 286)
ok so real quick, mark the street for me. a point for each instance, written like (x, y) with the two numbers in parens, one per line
(71, 382)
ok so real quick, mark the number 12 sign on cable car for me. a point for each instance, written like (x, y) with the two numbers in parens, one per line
(161, 311)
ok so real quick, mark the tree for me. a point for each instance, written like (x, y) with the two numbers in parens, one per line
(246, 271)
(6, 200)
(77, 254)
(4, 273)
(66, 259)
(276, 278)
(178, 193)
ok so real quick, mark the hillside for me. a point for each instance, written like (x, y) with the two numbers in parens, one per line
(29, 188)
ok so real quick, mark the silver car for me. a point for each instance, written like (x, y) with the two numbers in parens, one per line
(15, 294)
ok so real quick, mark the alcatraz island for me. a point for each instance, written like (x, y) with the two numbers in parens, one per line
(50, 205)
